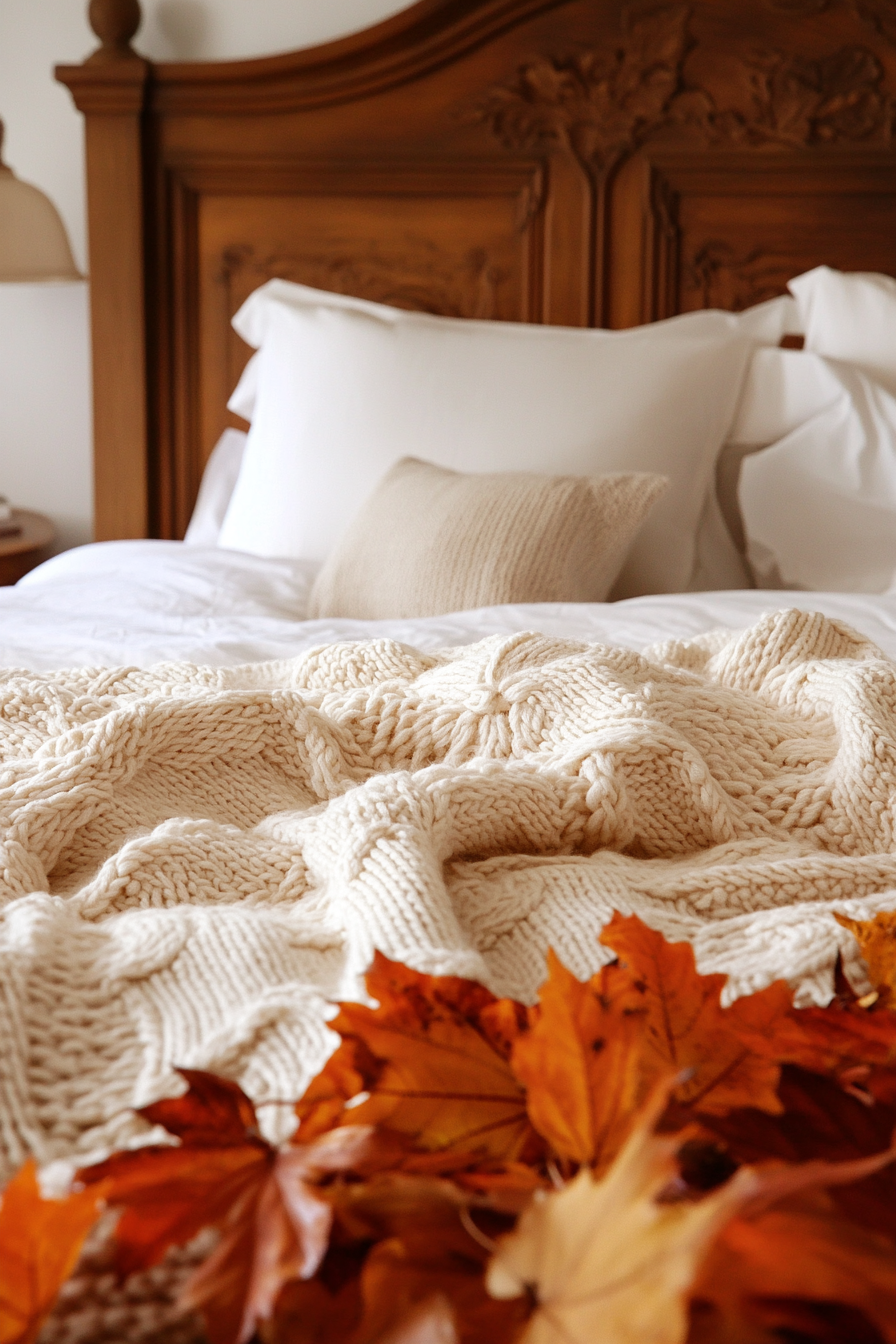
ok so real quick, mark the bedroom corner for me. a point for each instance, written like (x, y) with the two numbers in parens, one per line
(45, 400)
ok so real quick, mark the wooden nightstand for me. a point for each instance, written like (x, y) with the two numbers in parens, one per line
(27, 548)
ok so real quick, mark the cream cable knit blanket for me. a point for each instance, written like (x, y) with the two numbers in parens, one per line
(193, 860)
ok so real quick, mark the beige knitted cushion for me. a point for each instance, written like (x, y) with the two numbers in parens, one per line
(430, 540)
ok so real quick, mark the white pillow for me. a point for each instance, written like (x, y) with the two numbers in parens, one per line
(852, 317)
(782, 390)
(242, 398)
(346, 388)
(765, 323)
(216, 488)
(819, 506)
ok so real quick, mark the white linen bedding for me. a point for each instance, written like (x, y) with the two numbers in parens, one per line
(143, 602)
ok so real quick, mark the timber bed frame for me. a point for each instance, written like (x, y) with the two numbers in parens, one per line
(566, 161)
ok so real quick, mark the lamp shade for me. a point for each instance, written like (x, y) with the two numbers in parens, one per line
(33, 241)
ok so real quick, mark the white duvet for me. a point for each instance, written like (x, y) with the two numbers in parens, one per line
(143, 602)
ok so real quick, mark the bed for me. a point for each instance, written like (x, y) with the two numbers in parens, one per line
(216, 807)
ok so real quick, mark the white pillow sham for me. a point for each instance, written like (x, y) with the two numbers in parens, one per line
(345, 388)
(215, 489)
(819, 506)
(850, 316)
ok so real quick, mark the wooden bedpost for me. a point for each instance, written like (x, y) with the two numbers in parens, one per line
(109, 88)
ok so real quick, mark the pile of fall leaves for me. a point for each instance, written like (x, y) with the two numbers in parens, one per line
(626, 1161)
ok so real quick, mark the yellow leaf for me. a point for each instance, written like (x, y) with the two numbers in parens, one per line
(606, 1259)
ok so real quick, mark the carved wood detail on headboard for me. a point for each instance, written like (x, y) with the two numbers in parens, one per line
(572, 161)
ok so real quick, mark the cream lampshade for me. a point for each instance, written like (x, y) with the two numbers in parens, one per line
(33, 241)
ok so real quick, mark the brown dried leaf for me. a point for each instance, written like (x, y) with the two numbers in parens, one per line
(274, 1219)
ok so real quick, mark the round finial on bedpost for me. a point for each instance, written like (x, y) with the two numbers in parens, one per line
(115, 22)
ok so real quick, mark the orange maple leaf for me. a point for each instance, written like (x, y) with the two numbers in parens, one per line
(877, 941)
(726, 1052)
(431, 1063)
(40, 1241)
(274, 1220)
(581, 1062)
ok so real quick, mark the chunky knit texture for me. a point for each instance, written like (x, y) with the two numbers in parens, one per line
(430, 540)
(192, 861)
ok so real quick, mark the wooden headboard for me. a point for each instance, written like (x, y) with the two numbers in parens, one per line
(563, 161)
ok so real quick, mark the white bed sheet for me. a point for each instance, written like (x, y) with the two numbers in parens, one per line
(144, 602)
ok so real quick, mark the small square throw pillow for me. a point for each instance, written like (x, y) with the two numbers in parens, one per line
(430, 540)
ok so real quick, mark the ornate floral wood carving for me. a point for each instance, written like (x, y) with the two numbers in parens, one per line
(598, 105)
(796, 101)
(601, 106)
(420, 276)
(881, 14)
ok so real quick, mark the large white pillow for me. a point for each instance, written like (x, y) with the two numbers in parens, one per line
(346, 388)
(819, 506)
(850, 316)
(783, 389)
(216, 488)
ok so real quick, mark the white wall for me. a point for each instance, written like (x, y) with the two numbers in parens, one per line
(45, 430)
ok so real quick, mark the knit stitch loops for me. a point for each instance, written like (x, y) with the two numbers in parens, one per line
(193, 861)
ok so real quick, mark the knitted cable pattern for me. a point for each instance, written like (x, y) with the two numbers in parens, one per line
(193, 861)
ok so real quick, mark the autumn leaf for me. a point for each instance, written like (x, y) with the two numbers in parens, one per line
(801, 1248)
(581, 1062)
(594, 1050)
(418, 1242)
(347, 1074)
(877, 942)
(40, 1241)
(840, 1039)
(685, 1027)
(431, 1062)
(820, 1120)
(608, 1258)
(168, 1194)
(274, 1221)
(405, 1275)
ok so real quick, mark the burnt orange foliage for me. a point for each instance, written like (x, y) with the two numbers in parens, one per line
(799, 1250)
(582, 1062)
(432, 1063)
(40, 1241)
(444, 1109)
(877, 939)
(274, 1222)
(725, 1052)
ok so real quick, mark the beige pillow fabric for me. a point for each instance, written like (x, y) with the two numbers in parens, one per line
(430, 540)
